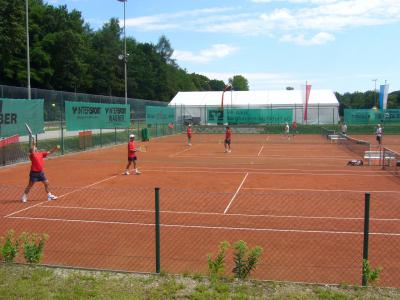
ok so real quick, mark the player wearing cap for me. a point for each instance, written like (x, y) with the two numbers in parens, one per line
(189, 134)
(36, 173)
(131, 155)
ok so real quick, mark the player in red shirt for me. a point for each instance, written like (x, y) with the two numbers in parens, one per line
(227, 142)
(36, 173)
(189, 134)
(131, 155)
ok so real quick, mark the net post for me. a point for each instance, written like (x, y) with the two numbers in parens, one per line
(366, 233)
(157, 227)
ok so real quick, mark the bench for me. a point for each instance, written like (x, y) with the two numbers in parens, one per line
(373, 156)
(335, 137)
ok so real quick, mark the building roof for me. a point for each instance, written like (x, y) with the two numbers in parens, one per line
(273, 97)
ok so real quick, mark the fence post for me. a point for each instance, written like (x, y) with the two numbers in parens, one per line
(157, 223)
(366, 232)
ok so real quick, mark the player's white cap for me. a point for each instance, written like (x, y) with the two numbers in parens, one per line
(131, 136)
(190, 125)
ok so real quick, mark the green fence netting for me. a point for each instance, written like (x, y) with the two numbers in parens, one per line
(86, 115)
(249, 116)
(160, 115)
(14, 113)
(372, 116)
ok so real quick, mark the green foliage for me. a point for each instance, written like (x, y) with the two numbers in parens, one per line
(371, 275)
(216, 266)
(239, 83)
(245, 259)
(9, 246)
(33, 246)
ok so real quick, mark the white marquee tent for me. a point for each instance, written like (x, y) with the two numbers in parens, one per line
(323, 107)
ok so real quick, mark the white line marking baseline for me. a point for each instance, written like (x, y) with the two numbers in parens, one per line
(266, 173)
(217, 214)
(322, 190)
(213, 227)
(237, 191)
(79, 189)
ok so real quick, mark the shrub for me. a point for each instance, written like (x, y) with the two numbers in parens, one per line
(9, 246)
(33, 246)
(371, 275)
(245, 259)
(216, 266)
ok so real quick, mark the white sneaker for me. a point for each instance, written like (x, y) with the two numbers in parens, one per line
(229, 151)
(126, 173)
(137, 172)
(51, 197)
(24, 198)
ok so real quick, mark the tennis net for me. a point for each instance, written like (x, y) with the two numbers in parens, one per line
(327, 132)
(391, 161)
(356, 146)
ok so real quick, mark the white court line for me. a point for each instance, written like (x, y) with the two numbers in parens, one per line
(219, 214)
(267, 173)
(237, 191)
(176, 154)
(212, 227)
(323, 190)
(272, 156)
(16, 212)
(280, 169)
(262, 147)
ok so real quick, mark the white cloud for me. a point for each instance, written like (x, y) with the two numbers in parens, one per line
(216, 51)
(318, 39)
(308, 17)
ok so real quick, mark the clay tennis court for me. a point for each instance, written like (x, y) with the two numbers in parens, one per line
(296, 198)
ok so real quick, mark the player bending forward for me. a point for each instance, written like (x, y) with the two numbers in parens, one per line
(131, 155)
(228, 137)
(36, 173)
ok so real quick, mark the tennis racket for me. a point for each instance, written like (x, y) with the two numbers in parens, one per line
(28, 129)
(143, 148)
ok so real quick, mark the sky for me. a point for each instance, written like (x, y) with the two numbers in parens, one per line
(342, 45)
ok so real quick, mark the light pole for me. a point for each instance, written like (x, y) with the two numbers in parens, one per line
(375, 104)
(28, 63)
(125, 57)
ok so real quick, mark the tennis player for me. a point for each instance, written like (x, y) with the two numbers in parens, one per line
(131, 155)
(286, 131)
(227, 142)
(36, 173)
(379, 134)
(189, 134)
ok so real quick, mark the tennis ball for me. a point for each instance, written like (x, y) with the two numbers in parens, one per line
(53, 104)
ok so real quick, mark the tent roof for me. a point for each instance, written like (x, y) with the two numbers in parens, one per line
(276, 97)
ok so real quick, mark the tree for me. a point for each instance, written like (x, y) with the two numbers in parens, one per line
(239, 83)
(164, 48)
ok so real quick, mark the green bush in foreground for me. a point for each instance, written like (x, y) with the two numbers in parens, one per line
(9, 246)
(33, 246)
(245, 259)
(370, 275)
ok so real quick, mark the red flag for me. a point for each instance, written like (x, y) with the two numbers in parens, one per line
(308, 91)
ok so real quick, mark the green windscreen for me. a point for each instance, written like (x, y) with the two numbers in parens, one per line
(160, 115)
(14, 113)
(249, 116)
(87, 115)
(372, 116)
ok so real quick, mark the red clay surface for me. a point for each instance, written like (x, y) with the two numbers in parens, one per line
(296, 198)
